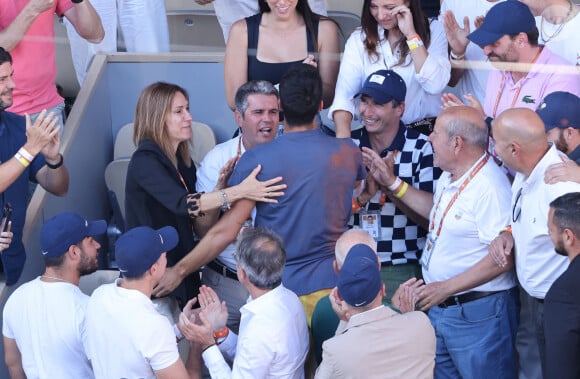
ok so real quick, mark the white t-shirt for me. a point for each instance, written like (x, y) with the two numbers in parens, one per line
(564, 42)
(47, 320)
(474, 80)
(126, 337)
(473, 221)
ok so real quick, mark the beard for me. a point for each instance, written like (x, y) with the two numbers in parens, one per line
(560, 251)
(561, 143)
(87, 265)
(4, 105)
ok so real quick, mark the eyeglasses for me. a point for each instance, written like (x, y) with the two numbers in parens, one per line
(517, 209)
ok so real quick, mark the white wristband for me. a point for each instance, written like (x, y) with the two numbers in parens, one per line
(395, 184)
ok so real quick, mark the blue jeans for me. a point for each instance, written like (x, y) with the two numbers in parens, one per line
(476, 339)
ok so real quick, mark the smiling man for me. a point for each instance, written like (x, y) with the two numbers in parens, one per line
(29, 151)
(399, 232)
(526, 71)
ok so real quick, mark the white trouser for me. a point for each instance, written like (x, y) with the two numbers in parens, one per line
(144, 27)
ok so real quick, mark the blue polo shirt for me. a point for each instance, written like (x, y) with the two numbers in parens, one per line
(12, 138)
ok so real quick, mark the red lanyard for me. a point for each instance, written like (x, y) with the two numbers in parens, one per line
(500, 92)
(182, 181)
(467, 180)
(502, 87)
(239, 147)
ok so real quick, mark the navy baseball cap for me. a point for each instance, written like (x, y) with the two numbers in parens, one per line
(508, 17)
(560, 110)
(359, 279)
(66, 229)
(140, 247)
(384, 86)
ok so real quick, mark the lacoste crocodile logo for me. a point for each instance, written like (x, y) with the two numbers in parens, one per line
(528, 100)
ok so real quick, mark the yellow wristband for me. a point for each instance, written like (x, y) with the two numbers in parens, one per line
(23, 161)
(403, 190)
(414, 42)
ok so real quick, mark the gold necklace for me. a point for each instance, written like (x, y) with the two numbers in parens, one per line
(566, 19)
(55, 278)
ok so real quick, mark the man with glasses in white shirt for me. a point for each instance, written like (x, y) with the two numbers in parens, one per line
(521, 143)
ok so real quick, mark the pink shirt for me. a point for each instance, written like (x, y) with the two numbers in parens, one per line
(550, 73)
(34, 57)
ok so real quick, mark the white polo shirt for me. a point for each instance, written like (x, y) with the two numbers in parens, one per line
(473, 221)
(126, 337)
(537, 264)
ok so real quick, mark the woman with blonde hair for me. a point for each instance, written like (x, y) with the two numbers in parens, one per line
(394, 35)
(160, 188)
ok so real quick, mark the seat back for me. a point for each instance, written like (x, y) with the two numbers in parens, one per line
(115, 178)
(124, 146)
(202, 141)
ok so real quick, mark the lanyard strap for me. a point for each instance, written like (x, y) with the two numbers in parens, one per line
(500, 93)
(467, 180)
(183, 181)
(519, 84)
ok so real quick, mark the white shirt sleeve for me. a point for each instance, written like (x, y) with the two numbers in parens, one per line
(436, 71)
(351, 75)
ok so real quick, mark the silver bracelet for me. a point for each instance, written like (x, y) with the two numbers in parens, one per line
(225, 203)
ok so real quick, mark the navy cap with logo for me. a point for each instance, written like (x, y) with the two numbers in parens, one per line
(140, 247)
(560, 110)
(359, 280)
(383, 86)
(508, 17)
(66, 229)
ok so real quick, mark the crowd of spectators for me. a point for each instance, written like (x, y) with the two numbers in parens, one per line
(460, 184)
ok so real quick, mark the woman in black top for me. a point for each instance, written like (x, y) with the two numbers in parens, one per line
(266, 45)
(160, 188)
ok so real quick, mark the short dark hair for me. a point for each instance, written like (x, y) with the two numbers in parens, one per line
(253, 87)
(567, 212)
(533, 36)
(54, 261)
(260, 252)
(300, 94)
(5, 56)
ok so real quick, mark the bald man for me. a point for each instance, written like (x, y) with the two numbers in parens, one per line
(324, 320)
(471, 301)
(521, 143)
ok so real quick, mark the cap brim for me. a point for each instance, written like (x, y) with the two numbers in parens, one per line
(376, 95)
(482, 37)
(97, 227)
(170, 237)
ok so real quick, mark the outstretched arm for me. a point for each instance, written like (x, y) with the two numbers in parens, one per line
(86, 21)
(215, 241)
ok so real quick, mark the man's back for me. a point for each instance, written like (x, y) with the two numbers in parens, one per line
(381, 344)
(126, 336)
(47, 322)
(320, 172)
